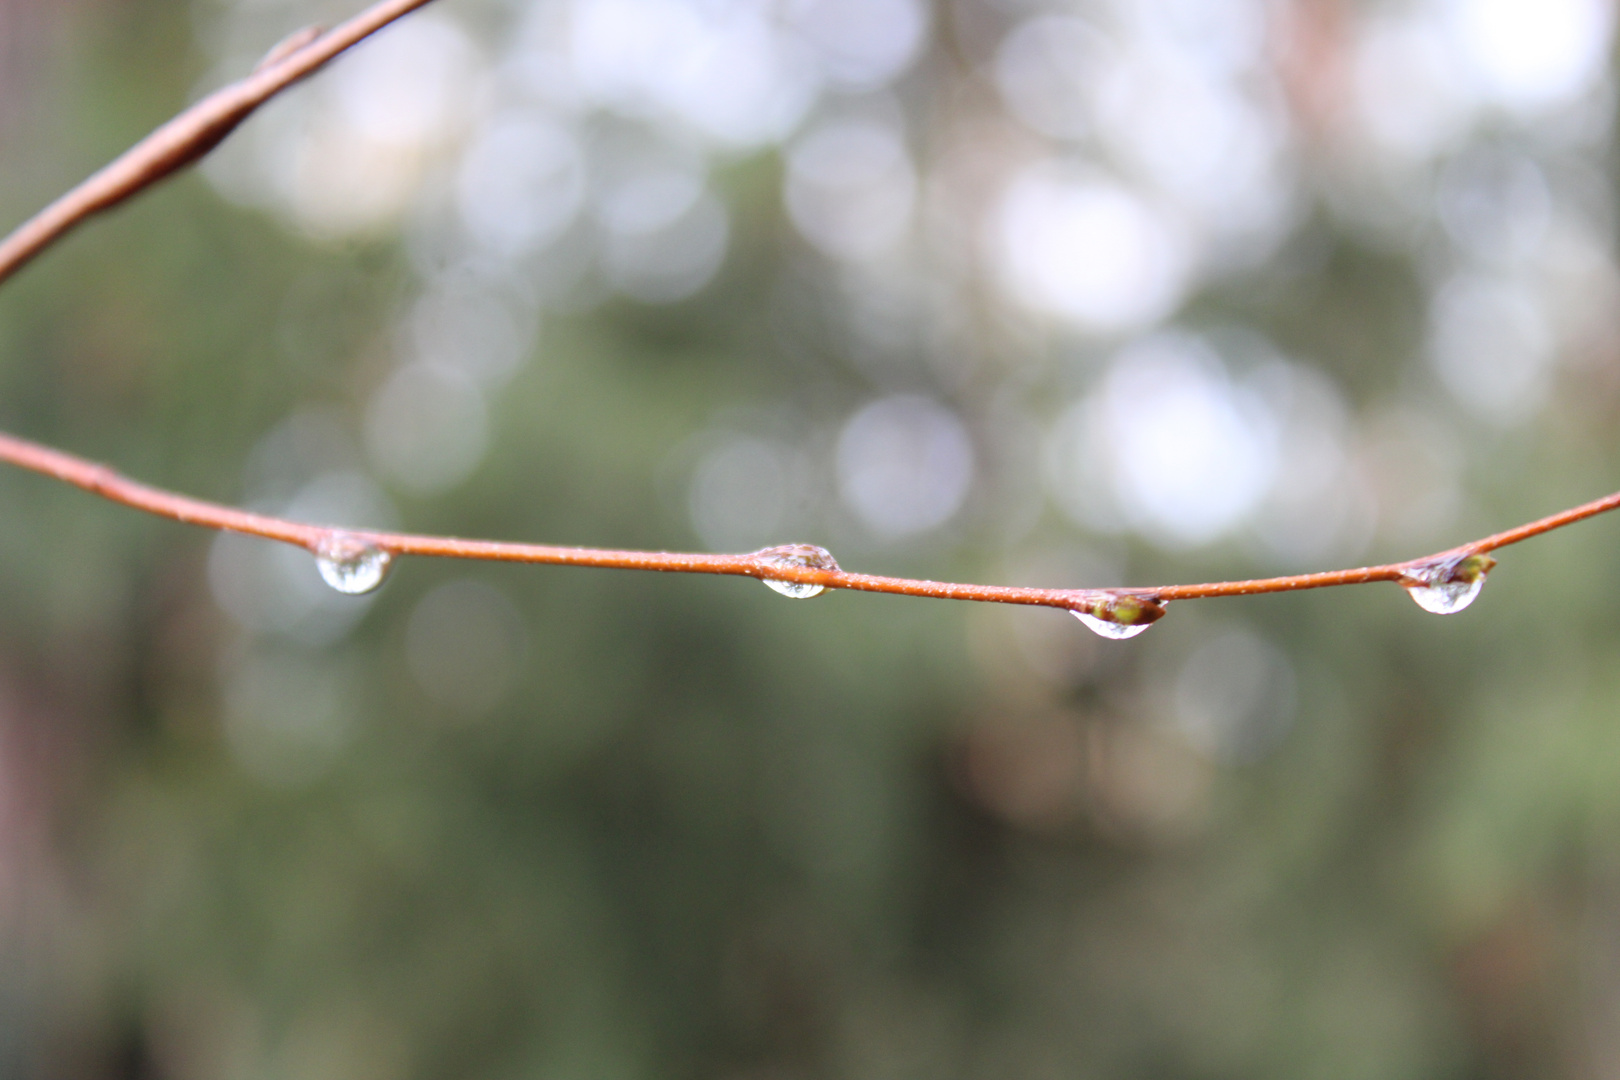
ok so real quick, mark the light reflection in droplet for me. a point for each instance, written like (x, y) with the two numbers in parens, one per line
(1109, 629)
(351, 564)
(1447, 587)
(1118, 617)
(275, 588)
(797, 556)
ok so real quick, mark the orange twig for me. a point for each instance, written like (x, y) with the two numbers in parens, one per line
(107, 483)
(193, 133)
(201, 127)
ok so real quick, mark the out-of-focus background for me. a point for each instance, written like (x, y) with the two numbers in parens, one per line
(1020, 291)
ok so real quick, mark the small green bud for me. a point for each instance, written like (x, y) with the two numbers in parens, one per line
(1471, 569)
(1128, 610)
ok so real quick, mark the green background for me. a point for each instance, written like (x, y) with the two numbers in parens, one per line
(705, 831)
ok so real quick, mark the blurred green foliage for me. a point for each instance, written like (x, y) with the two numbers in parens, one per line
(707, 832)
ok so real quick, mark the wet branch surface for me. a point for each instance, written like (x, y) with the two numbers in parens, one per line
(776, 564)
(201, 127)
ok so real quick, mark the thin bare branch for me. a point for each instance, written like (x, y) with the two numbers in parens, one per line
(197, 130)
(193, 133)
(109, 484)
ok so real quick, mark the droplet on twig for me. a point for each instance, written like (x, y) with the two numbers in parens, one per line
(1448, 586)
(1119, 617)
(351, 564)
(796, 556)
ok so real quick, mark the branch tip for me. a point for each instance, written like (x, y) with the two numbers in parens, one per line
(288, 45)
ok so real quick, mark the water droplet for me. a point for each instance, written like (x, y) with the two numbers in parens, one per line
(1113, 630)
(1447, 587)
(797, 555)
(350, 564)
(1119, 617)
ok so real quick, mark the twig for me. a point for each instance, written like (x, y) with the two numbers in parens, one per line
(767, 564)
(193, 133)
(200, 128)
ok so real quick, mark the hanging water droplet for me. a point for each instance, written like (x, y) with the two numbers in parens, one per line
(1119, 617)
(1447, 587)
(1112, 630)
(351, 564)
(798, 590)
(794, 556)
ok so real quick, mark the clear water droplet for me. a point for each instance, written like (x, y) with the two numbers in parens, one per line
(795, 556)
(351, 564)
(1447, 587)
(798, 590)
(1112, 630)
(1119, 617)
